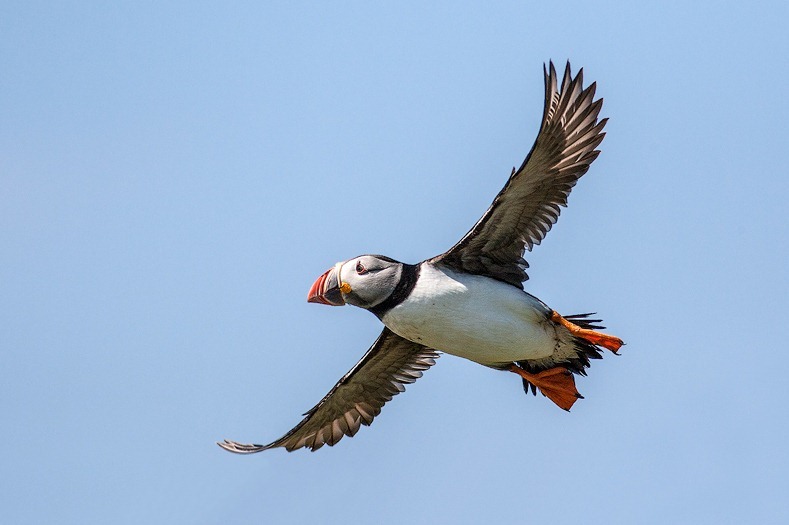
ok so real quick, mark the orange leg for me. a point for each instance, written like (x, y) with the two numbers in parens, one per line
(596, 338)
(557, 384)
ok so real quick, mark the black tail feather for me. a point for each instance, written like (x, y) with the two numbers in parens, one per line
(527, 386)
(583, 321)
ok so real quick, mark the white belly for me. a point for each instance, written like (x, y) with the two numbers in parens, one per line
(474, 317)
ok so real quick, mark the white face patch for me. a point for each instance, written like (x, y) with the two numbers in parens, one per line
(370, 280)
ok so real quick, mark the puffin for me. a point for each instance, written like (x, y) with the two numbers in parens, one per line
(470, 301)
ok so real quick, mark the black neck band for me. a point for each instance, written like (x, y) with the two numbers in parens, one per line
(404, 286)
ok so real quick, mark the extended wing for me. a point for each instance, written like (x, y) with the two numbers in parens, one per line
(357, 398)
(528, 205)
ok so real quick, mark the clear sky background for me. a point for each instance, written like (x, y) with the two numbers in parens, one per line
(175, 176)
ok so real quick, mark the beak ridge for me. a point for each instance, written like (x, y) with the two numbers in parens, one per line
(326, 290)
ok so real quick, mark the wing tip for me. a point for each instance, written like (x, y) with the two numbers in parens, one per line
(549, 70)
(241, 448)
(550, 67)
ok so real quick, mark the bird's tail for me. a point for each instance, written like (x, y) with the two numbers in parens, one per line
(583, 321)
(584, 351)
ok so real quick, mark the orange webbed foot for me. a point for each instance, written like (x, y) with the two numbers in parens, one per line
(557, 384)
(610, 342)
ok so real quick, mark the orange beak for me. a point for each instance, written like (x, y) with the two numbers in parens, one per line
(326, 290)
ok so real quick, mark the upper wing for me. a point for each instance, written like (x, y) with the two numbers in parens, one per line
(357, 398)
(528, 205)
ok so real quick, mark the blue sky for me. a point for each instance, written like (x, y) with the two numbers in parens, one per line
(174, 177)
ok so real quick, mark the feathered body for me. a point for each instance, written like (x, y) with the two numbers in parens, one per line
(476, 317)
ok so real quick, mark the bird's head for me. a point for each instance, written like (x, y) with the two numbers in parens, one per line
(363, 281)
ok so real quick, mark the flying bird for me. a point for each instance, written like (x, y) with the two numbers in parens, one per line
(470, 301)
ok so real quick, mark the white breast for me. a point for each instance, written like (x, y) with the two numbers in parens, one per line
(475, 317)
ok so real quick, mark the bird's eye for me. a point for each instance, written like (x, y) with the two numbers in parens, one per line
(360, 269)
